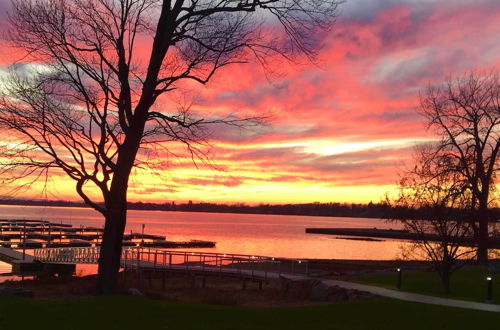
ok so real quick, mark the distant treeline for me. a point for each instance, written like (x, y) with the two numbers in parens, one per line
(370, 210)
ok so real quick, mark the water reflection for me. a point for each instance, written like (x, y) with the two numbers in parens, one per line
(271, 235)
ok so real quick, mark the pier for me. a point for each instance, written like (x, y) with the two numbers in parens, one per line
(148, 261)
(35, 234)
(394, 234)
(25, 264)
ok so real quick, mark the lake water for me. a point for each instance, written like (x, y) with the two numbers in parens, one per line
(253, 234)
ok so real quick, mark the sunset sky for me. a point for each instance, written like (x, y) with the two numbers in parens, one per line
(337, 131)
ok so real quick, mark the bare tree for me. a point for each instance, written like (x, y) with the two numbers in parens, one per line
(437, 209)
(465, 113)
(90, 105)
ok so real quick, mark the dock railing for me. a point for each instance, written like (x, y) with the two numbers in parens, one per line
(147, 258)
(68, 255)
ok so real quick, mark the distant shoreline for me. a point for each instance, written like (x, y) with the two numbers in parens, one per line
(310, 209)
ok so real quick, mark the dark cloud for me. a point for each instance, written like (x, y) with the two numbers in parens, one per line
(354, 161)
(268, 133)
(402, 117)
(5, 8)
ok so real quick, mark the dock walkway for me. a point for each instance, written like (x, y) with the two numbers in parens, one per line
(8, 255)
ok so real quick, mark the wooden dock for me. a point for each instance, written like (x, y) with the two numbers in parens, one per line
(195, 263)
(32, 234)
(8, 255)
(393, 234)
(24, 264)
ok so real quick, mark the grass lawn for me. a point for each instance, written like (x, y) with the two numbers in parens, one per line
(125, 312)
(468, 283)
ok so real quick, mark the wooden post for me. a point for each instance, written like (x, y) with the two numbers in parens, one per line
(50, 229)
(24, 241)
(142, 241)
(138, 257)
(193, 280)
(141, 276)
(163, 279)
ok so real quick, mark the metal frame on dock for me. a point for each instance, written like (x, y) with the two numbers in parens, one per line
(141, 259)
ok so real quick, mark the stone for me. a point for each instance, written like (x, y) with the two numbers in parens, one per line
(17, 292)
(494, 265)
(134, 292)
(319, 292)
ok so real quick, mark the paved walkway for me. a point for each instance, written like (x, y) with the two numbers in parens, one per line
(408, 296)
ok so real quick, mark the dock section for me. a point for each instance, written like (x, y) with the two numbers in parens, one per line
(35, 234)
(393, 234)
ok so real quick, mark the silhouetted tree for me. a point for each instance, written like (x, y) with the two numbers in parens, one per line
(465, 113)
(89, 103)
(436, 207)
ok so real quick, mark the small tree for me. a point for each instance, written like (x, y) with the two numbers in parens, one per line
(92, 107)
(465, 113)
(436, 206)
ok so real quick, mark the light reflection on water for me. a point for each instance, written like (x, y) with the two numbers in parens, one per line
(269, 235)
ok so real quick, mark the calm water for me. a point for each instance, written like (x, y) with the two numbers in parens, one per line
(269, 235)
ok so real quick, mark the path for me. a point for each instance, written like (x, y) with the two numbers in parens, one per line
(415, 297)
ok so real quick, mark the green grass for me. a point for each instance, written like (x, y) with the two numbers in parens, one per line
(142, 313)
(468, 283)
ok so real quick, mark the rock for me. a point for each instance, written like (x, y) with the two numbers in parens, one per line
(134, 292)
(319, 292)
(17, 292)
(494, 265)
(323, 292)
(337, 294)
(297, 288)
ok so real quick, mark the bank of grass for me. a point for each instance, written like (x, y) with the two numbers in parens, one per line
(124, 312)
(468, 283)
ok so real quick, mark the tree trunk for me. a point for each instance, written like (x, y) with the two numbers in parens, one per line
(116, 210)
(111, 248)
(116, 219)
(482, 243)
(445, 280)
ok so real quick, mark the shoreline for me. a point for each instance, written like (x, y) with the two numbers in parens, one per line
(137, 206)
